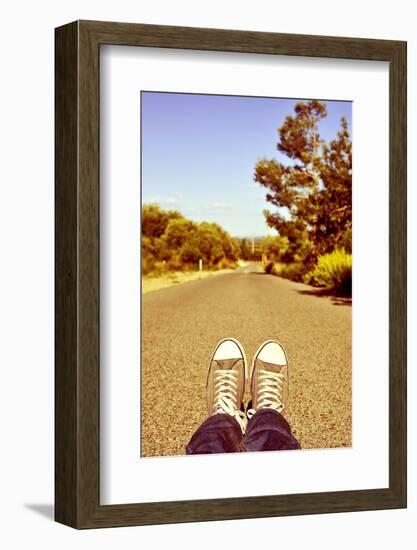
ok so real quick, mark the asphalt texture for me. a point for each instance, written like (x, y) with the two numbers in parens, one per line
(182, 324)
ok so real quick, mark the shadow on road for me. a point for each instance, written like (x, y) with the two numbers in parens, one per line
(337, 299)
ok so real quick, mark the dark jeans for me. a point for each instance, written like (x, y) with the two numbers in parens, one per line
(267, 431)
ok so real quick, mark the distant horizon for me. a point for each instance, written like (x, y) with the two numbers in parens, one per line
(199, 152)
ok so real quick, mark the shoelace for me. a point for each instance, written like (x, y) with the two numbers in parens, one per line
(225, 394)
(270, 391)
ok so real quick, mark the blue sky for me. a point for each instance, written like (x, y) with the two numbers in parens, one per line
(199, 153)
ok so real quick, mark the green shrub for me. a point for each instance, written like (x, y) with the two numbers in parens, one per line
(333, 271)
(175, 264)
(152, 267)
(269, 268)
(293, 271)
(225, 263)
(148, 264)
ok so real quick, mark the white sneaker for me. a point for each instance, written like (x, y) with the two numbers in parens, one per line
(226, 381)
(269, 378)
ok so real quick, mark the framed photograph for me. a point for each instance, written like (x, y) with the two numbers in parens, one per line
(230, 274)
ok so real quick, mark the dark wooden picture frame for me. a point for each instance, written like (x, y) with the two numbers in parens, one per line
(77, 360)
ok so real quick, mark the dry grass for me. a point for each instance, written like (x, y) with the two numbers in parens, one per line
(149, 284)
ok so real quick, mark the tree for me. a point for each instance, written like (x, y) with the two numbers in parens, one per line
(275, 248)
(216, 244)
(171, 241)
(155, 220)
(245, 251)
(334, 222)
(178, 231)
(312, 193)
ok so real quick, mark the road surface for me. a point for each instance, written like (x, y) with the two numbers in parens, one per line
(182, 324)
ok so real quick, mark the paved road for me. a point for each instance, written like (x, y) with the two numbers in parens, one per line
(182, 324)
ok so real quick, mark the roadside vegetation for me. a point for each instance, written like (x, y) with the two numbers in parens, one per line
(312, 200)
(172, 243)
(334, 271)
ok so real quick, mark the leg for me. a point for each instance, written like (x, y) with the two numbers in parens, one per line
(220, 433)
(269, 431)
